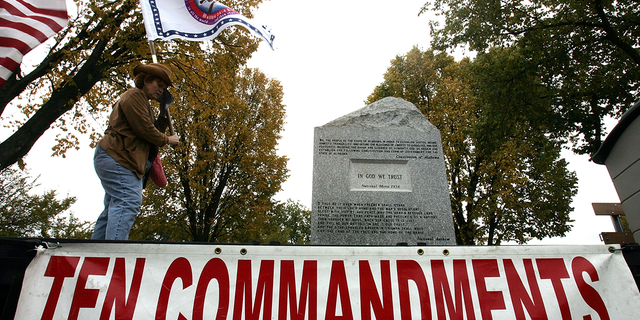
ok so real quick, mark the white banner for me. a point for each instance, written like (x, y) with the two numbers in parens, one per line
(195, 20)
(173, 281)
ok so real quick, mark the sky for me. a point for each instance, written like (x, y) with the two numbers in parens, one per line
(329, 56)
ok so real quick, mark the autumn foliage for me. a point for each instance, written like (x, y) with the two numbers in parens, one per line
(507, 180)
(224, 173)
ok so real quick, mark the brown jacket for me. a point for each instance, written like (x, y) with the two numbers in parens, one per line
(131, 131)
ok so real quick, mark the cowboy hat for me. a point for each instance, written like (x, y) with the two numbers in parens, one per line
(155, 69)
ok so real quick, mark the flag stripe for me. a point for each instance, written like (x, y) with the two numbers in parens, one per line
(25, 24)
(15, 43)
(4, 74)
(41, 17)
(54, 12)
(9, 63)
(15, 33)
(41, 37)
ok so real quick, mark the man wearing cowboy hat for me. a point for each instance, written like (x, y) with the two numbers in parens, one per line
(122, 156)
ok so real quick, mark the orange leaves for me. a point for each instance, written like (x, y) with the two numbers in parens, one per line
(225, 171)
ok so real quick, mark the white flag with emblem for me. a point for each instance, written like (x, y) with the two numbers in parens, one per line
(195, 20)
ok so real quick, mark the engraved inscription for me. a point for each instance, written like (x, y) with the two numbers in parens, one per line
(403, 149)
(374, 219)
(379, 175)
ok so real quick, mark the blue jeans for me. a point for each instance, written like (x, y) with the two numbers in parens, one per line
(122, 199)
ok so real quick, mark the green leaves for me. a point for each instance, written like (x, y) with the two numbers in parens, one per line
(507, 180)
(288, 223)
(586, 53)
(23, 214)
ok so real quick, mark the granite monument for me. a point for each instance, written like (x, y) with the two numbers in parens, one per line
(379, 179)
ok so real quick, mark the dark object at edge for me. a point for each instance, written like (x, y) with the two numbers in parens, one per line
(627, 118)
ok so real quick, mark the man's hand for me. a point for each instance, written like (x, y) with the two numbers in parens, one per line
(173, 140)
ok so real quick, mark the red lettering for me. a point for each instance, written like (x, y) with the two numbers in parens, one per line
(83, 297)
(461, 286)
(411, 270)
(369, 298)
(214, 269)
(338, 284)
(580, 265)
(179, 268)
(58, 268)
(308, 291)
(265, 287)
(555, 270)
(116, 292)
(519, 295)
(489, 300)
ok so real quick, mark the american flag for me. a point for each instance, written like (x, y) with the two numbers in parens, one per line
(24, 24)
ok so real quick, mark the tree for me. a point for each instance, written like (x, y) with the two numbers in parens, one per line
(89, 65)
(226, 170)
(587, 52)
(288, 222)
(97, 47)
(506, 177)
(26, 215)
(86, 68)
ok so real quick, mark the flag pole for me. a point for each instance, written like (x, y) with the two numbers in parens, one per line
(153, 51)
(152, 48)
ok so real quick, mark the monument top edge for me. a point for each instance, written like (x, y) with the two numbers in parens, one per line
(389, 112)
